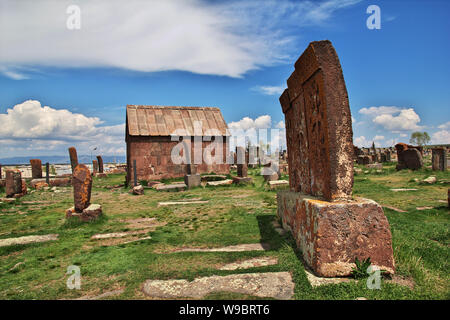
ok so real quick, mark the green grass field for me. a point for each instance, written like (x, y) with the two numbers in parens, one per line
(233, 215)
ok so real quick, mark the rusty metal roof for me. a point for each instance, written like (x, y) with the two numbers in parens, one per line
(164, 121)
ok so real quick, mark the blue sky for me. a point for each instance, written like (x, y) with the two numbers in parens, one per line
(233, 55)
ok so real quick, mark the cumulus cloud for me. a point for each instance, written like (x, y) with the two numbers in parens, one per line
(393, 118)
(221, 38)
(445, 125)
(441, 137)
(246, 123)
(270, 90)
(29, 126)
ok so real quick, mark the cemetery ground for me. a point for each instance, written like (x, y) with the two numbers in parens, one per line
(117, 268)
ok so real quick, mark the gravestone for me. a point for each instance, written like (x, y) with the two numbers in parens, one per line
(408, 157)
(82, 186)
(47, 173)
(192, 179)
(36, 168)
(94, 167)
(242, 168)
(100, 164)
(73, 157)
(439, 159)
(15, 187)
(1, 171)
(330, 227)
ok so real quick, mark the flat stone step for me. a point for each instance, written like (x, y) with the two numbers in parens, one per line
(171, 187)
(27, 239)
(278, 285)
(171, 203)
(251, 263)
(235, 248)
(219, 183)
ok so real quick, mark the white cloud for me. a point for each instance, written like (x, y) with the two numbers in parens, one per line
(445, 125)
(220, 38)
(393, 118)
(28, 126)
(270, 90)
(361, 141)
(280, 125)
(441, 137)
(378, 138)
(246, 123)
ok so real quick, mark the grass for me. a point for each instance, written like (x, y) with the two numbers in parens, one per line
(233, 215)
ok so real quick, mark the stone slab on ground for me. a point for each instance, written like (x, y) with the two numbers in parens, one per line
(28, 239)
(92, 212)
(242, 180)
(278, 184)
(219, 183)
(278, 285)
(316, 281)
(424, 208)
(394, 208)
(174, 187)
(403, 189)
(235, 248)
(251, 263)
(171, 203)
(8, 200)
(331, 235)
(213, 177)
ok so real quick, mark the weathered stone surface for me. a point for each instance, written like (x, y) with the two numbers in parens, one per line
(219, 183)
(138, 190)
(73, 157)
(100, 164)
(278, 184)
(191, 168)
(251, 263)
(377, 166)
(278, 285)
(439, 159)
(94, 167)
(53, 182)
(409, 157)
(192, 180)
(92, 212)
(430, 180)
(318, 125)
(332, 234)
(242, 180)
(27, 239)
(13, 183)
(271, 177)
(82, 185)
(364, 159)
(36, 168)
(171, 187)
(235, 248)
(41, 185)
(213, 177)
(177, 203)
(242, 170)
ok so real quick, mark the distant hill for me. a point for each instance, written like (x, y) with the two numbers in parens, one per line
(60, 159)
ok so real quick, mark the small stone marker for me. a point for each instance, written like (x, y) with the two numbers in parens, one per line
(73, 157)
(192, 179)
(82, 185)
(278, 184)
(329, 227)
(36, 168)
(439, 159)
(94, 167)
(1, 171)
(47, 173)
(135, 173)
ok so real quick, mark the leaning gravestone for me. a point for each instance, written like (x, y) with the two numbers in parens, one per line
(82, 185)
(73, 157)
(36, 168)
(331, 228)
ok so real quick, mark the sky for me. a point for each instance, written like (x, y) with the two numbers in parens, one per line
(69, 68)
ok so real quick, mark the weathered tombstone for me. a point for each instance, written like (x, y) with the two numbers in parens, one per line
(192, 178)
(409, 157)
(14, 185)
(388, 155)
(242, 168)
(439, 159)
(47, 173)
(135, 182)
(331, 228)
(383, 157)
(100, 164)
(94, 167)
(73, 157)
(36, 168)
(82, 185)
(1, 171)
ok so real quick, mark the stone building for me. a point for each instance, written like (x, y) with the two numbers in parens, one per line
(149, 140)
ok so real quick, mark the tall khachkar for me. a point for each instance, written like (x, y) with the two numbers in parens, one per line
(331, 228)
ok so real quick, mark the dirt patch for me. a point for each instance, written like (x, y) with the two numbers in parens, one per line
(278, 285)
(103, 295)
(143, 223)
(402, 281)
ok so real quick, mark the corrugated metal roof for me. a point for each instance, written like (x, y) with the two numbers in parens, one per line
(163, 121)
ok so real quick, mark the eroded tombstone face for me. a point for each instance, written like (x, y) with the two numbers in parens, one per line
(95, 166)
(439, 159)
(241, 162)
(191, 169)
(13, 184)
(73, 157)
(318, 125)
(100, 164)
(36, 168)
(82, 185)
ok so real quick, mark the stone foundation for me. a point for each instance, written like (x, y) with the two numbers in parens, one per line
(332, 234)
(92, 212)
